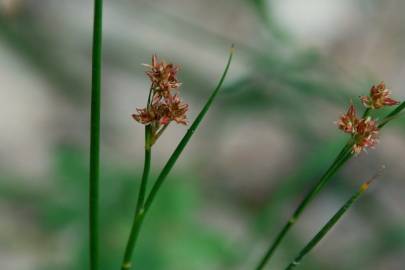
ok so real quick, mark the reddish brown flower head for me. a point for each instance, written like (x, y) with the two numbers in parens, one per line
(366, 135)
(162, 76)
(348, 121)
(164, 106)
(161, 113)
(379, 97)
(178, 110)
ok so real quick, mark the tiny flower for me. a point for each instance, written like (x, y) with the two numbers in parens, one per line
(164, 106)
(163, 77)
(163, 112)
(178, 110)
(378, 98)
(144, 116)
(348, 121)
(366, 135)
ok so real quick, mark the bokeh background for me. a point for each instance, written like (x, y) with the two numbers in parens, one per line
(264, 143)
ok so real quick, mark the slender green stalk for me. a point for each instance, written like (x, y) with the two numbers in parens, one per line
(180, 147)
(318, 237)
(392, 115)
(342, 157)
(340, 160)
(139, 217)
(146, 168)
(126, 264)
(95, 135)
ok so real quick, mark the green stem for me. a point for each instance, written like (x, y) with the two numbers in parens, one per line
(318, 237)
(95, 136)
(342, 157)
(146, 168)
(133, 237)
(138, 217)
(392, 115)
(180, 147)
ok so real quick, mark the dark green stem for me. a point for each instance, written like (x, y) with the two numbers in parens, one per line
(318, 237)
(146, 168)
(180, 147)
(392, 115)
(95, 135)
(342, 157)
(138, 217)
(133, 237)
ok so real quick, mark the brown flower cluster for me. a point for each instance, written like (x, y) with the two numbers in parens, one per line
(164, 104)
(163, 112)
(379, 97)
(365, 130)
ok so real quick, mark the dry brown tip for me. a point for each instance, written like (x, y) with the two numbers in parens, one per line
(367, 184)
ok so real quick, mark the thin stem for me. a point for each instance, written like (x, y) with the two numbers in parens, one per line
(366, 112)
(146, 169)
(126, 264)
(342, 157)
(133, 237)
(392, 115)
(150, 96)
(318, 237)
(95, 135)
(180, 147)
(159, 133)
(140, 215)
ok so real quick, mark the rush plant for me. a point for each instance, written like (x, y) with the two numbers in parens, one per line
(165, 106)
(363, 133)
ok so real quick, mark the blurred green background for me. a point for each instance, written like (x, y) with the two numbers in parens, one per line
(268, 137)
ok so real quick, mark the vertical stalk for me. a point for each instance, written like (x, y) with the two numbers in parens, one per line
(146, 168)
(95, 135)
(139, 211)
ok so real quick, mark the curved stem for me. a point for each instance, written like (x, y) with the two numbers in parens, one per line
(95, 135)
(184, 141)
(139, 212)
